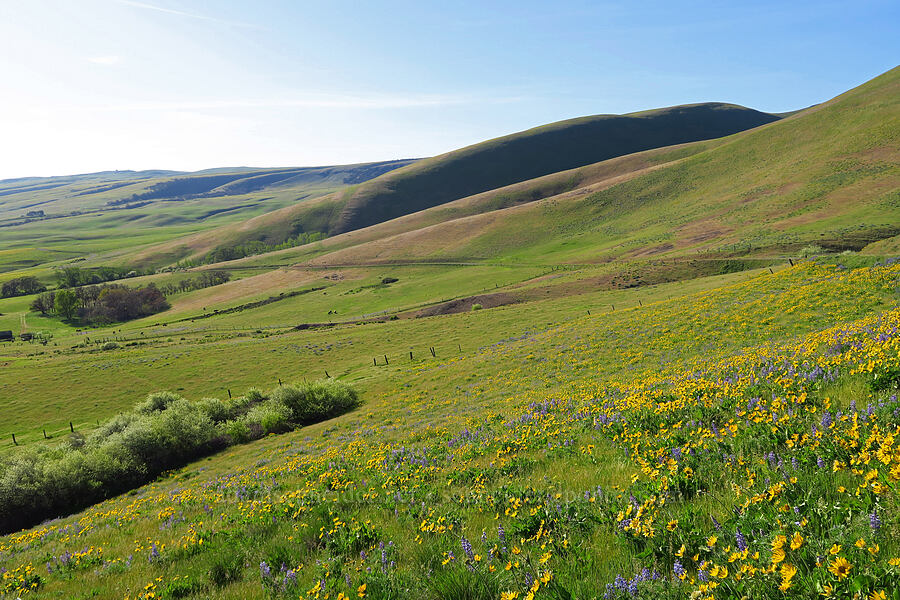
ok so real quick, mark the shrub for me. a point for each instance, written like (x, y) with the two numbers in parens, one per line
(811, 250)
(156, 402)
(109, 346)
(163, 432)
(271, 416)
(310, 402)
(214, 408)
(254, 395)
(477, 307)
(238, 431)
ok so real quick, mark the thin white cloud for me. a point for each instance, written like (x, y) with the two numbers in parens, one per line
(311, 101)
(109, 60)
(180, 13)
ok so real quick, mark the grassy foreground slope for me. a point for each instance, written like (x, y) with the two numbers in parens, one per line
(658, 449)
(485, 166)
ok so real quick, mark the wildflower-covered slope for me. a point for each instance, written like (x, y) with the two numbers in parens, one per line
(740, 442)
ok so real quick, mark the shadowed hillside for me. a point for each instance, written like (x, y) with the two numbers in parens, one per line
(826, 177)
(536, 152)
(475, 169)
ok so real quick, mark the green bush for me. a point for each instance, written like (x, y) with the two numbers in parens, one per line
(163, 432)
(238, 431)
(477, 307)
(310, 402)
(811, 250)
(271, 416)
(109, 346)
(156, 402)
(214, 408)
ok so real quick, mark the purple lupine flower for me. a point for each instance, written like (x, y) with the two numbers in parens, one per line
(874, 521)
(702, 576)
(154, 552)
(740, 540)
(820, 462)
(264, 570)
(716, 524)
(678, 568)
(290, 579)
(633, 587)
(501, 533)
(467, 548)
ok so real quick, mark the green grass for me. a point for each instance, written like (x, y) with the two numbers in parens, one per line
(509, 408)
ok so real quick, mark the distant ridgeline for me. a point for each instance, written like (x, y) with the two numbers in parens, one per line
(224, 253)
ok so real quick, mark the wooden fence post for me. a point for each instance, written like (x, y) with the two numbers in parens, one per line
(71, 427)
(410, 355)
(385, 360)
(14, 440)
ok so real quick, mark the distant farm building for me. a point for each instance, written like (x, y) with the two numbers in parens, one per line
(6, 336)
(26, 337)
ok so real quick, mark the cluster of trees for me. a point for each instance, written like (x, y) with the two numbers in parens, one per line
(22, 286)
(161, 433)
(204, 280)
(72, 277)
(97, 305)
(252, 248)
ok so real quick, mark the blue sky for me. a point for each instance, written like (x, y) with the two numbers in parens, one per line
(92, 85)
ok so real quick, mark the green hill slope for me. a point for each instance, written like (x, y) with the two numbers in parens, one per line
(476, 169)
(536, 152)
(828, 176)
(75, 215)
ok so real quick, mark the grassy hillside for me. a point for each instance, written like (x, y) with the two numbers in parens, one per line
(79, 215)
(576, 452)
(825, 177)
(618, 380)
(536, 152)
(480, 168)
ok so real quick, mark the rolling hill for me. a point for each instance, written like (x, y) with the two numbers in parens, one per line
(479, 168)
(827, 176)
(76, 215)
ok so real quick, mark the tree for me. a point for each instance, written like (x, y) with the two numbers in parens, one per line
(43, 303)
(22, 286)
(65, 303)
